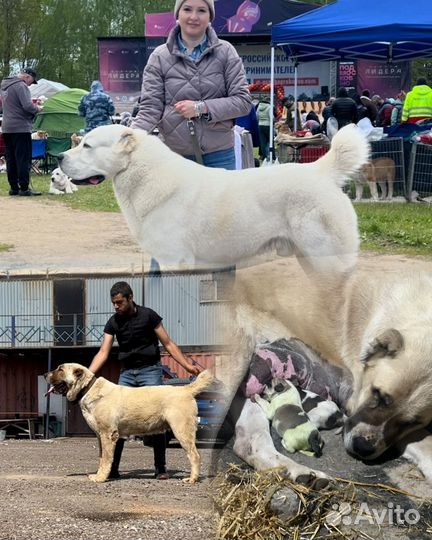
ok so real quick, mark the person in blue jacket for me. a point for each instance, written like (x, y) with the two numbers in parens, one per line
(97, 107)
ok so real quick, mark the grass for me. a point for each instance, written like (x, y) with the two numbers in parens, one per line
(395, 228)
(384, 228)
(99, 198)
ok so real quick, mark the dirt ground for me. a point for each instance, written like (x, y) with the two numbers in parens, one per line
(45, 235)
(46, 495)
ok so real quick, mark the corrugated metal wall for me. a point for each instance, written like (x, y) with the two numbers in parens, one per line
(189, 322)
(27, 309)
(31, 302)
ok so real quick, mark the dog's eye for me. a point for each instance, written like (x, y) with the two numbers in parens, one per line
(86, 145)
(380, 399)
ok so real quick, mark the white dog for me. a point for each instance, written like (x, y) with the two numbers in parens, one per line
(181, 212)
(61, 183)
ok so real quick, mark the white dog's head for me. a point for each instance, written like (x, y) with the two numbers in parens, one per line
(392, 392)
(59, 179)
(103, 153)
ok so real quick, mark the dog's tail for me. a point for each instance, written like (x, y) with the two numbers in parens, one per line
(349, 151)
(203, 381)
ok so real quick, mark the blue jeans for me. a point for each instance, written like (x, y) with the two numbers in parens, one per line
(223, 159)
(146, 376)
(135, 378)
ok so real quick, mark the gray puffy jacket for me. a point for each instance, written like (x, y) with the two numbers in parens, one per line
(218, 78)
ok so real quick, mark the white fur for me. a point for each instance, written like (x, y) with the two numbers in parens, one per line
(181, 212)
(61, 183)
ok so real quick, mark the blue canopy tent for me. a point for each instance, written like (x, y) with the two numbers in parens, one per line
(349, 29)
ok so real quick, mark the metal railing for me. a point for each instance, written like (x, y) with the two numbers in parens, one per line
(18, 331)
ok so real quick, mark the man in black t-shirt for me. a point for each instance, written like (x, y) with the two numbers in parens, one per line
(138, 331)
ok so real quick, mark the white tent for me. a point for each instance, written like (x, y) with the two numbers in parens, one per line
(46, 88)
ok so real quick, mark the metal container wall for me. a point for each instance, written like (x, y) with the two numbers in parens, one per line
(98, 303)
(189, 322)
(26, 313)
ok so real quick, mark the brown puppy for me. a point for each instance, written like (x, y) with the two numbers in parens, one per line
(115, 412)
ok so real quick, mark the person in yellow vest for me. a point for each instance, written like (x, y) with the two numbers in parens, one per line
(418, 103)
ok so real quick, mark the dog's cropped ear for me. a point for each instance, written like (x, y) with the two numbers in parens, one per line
(128, 140)
(387, 344)
(76, 386)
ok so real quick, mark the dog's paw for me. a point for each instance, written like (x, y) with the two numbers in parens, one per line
(190, 480)
(313, 479)
(97, 478)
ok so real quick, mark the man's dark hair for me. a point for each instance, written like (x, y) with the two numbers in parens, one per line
(366, 93)
(121, 287)
(342, 92)
(421, 80)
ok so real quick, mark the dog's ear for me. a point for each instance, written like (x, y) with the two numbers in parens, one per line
(128, 140)
(75, 388)
(387, 344)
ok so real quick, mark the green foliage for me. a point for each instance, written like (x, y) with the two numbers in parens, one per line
(59, 37)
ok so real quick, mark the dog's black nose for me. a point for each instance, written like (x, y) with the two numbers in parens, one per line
(60, 157)
(362, 447)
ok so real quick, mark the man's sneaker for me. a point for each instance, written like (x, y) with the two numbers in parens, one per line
(13, 192)
(29, 193)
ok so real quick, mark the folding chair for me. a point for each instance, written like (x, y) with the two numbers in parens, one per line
(39, 156)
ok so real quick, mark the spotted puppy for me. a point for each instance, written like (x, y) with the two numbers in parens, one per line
(323, 413)
(282, 405)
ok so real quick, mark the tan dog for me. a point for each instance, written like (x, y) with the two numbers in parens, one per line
(39, 135)
(75, 140)
(115, 412)
(379, 171)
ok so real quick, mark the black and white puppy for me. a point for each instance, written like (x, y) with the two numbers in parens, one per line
(282, 405)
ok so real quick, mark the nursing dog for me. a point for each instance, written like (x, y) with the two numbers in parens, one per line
(61, 183)
(115, 412)
(378, 328)
(183, 213)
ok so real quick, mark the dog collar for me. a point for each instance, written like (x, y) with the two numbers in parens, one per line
(84, 391)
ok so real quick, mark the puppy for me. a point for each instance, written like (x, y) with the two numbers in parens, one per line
(283, 407)
(323, 413)
(379, 171)
(61, 183)
(114, 412)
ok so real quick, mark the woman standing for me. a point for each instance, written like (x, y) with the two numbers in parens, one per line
(195, 76)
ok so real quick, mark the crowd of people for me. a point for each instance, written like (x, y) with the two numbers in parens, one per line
(194, 91)
(412, 107)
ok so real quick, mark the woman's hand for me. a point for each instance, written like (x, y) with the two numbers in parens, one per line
(187, 108)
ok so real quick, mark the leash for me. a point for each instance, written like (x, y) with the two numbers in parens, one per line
(195, 145)
(193, 134)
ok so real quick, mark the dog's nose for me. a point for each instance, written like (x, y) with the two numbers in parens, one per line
(362, 447)
(60, 157)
